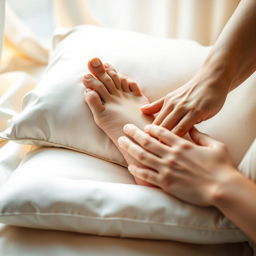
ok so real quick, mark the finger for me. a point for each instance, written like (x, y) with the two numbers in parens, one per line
(165, 111)
(152, 108)
(173, 118)
(203, 139)
(138, 153)
(163, 135)
(144, 174)
(185, 124)
(146, 141)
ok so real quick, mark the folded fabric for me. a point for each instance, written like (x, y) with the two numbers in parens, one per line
(67, 190)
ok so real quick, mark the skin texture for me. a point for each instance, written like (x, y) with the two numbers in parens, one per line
(114, 100)
(229, 63)
(201, 173)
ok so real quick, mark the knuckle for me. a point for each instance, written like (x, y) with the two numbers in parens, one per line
(141, 156)
(180, 129)
(170, 160)
(166, 178)
(176, 151)
(184, 145)
(146, 141)
(160, 132)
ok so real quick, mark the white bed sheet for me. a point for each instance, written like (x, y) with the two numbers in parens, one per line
(16, 241)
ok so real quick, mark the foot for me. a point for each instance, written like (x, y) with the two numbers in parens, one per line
(114, 101)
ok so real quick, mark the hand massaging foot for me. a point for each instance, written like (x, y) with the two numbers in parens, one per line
(114, 101)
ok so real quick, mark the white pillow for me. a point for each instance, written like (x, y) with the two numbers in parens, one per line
(54, 114)
(67, 190)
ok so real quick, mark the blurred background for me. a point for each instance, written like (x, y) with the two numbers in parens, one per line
(200, 20)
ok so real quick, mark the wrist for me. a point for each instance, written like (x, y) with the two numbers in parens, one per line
(226, 188)
(218, 70)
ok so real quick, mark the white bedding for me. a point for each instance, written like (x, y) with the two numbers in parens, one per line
(16, 241)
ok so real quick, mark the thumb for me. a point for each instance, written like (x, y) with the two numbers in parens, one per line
(202, 139)
(152, 108)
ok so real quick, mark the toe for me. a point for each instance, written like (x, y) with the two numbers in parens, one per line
(96, 85)
(125, 85)
(134, 88)
(109, 67)
(94, 102)
(115, 77)
(97, 69)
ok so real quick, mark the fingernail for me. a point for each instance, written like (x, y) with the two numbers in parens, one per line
(127, 127)
(147, 128)
(121, 140)
(130, 168)
(145, 106)
(95, 62)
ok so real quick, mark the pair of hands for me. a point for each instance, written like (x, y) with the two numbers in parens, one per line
(193, 172)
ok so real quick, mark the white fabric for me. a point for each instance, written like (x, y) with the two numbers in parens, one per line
(2, 15)
(15, 241)
(158, 65)
(198, 20)
(45, 120)
(54, 189)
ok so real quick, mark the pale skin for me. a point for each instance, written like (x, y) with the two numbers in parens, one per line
(199, 172)
(230, 62)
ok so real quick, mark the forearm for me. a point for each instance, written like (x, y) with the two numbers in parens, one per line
(232, 58)
(235, 198)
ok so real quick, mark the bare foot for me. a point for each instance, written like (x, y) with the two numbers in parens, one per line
(114, 102)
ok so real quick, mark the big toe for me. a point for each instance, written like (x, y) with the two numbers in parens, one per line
(97, 69)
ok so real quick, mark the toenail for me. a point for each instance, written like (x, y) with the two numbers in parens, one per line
(88, 77)
(106, 65)
(95, 63)
(87, 90)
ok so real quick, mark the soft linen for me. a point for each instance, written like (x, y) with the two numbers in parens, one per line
(54, 113)
(56, 191)
(66, 190)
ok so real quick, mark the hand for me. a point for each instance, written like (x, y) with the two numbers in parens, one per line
(191, 172)
(196, 101)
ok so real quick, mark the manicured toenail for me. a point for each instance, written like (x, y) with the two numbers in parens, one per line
(95, 63)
